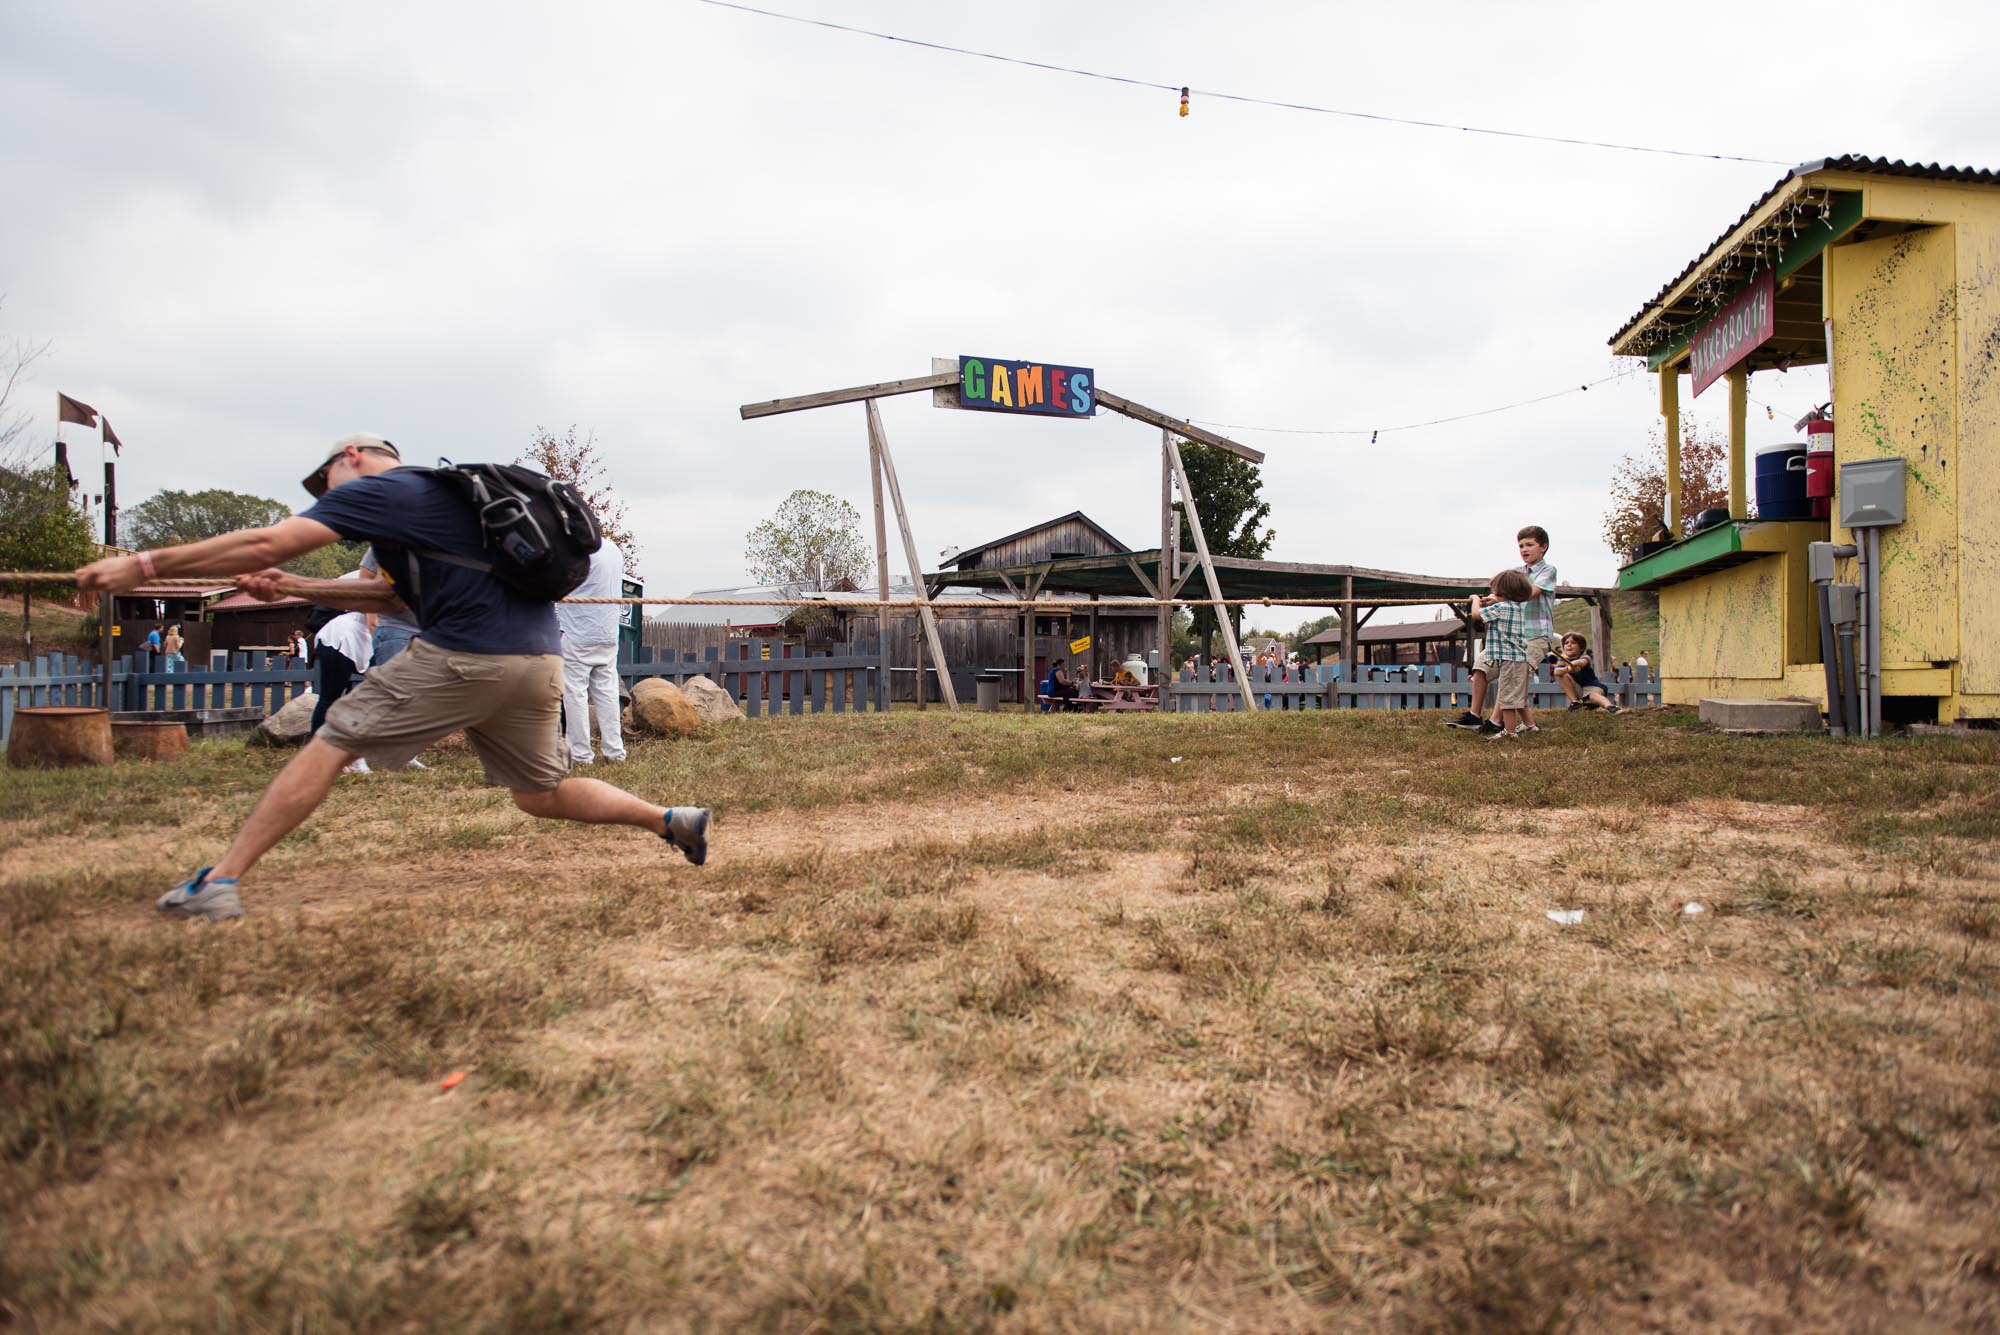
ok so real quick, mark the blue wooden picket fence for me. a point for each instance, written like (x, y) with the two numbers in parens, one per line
(767, 678)
(140, 681)
(1416, 686)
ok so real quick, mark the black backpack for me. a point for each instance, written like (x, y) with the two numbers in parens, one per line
(540, 533)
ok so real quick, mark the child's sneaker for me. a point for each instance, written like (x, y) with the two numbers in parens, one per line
(1498, 734)
(1468, 721)
(1529, 727)
(203, 898)
(1489, 729)
(1575, 705)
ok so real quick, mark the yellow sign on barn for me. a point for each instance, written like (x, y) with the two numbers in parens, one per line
(1081, 646)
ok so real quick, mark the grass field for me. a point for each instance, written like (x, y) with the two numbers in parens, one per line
(1025, 1024)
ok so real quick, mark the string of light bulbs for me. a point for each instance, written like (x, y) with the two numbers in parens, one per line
(1374, 433)
(1183, 92)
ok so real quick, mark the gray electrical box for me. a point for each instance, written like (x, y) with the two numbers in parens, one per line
(1820, 557)
(1843, 604)
(1871, 493)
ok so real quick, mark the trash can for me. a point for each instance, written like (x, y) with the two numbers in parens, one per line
(987, 685)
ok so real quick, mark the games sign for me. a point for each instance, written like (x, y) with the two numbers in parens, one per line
(1039, 388)
(1738, 329)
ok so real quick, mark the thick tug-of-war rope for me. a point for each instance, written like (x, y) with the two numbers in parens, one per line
(361, 591)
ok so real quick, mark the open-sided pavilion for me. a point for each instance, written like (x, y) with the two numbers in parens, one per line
(1356, 593)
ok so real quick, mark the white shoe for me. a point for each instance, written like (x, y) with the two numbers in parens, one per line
(416, 764)
(359, 765)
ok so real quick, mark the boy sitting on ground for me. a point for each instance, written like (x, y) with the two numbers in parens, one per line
(1508, 643)
(1578, 676)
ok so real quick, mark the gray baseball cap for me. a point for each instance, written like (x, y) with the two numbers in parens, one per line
(315, 481)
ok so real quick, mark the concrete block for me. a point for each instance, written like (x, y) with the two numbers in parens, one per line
(1762, 715)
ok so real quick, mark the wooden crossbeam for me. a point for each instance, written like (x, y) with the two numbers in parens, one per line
(772, 407)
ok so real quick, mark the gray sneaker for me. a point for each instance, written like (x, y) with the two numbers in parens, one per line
(687, 830)
(202, 898)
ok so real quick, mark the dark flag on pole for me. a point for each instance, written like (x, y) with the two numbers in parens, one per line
(111, 439)
(69, 410)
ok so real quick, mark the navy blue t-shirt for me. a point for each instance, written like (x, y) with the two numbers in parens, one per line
(467, 611)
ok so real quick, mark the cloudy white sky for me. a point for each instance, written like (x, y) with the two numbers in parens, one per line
(247, 229)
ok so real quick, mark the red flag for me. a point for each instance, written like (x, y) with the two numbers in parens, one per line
(111, 439)
(69, 410)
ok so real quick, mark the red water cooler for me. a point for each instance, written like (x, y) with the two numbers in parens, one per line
(1819, 466)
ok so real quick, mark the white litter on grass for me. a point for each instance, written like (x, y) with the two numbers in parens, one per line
(1173, 760)
(1566, 917)
(1691, 908)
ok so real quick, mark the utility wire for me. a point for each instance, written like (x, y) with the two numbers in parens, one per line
(1244, 98)
(1413, 426)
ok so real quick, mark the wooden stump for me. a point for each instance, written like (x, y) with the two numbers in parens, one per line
(56, 736)
(149, 740)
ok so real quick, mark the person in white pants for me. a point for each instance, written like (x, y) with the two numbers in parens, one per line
(590, 658)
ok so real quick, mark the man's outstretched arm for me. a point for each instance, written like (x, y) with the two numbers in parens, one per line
(235, 553)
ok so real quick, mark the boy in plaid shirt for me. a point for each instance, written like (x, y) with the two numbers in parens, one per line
(1510, 637)
(1533, 544)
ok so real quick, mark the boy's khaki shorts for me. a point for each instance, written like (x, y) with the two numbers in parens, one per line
(1538, 649)
(1511, 689)
(509, 706)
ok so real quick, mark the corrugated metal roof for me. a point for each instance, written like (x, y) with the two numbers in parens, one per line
(1859, 165)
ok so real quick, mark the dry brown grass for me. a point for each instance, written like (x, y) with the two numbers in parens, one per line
(1013, 1024)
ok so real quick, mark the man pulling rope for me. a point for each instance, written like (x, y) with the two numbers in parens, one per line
(487, 661)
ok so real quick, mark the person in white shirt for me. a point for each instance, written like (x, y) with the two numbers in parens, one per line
(344, 645)
(590, 658)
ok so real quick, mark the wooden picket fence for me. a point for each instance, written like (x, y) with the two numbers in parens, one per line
(140, 682)
(1428, 686)
(767, 677)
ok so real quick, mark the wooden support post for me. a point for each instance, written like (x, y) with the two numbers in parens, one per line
(1163, 615)
(880, 439)
(1739, 412)
(1092, 668)
(1350, 635)
(1600, 635)
(1173, 452)
(881, 571)
(923, 686)
(1670, 409)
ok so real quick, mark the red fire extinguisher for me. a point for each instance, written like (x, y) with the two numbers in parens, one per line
(1818, 425)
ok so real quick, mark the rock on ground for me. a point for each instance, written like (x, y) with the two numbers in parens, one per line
(711, 701)
(658, 706)
(290, 726)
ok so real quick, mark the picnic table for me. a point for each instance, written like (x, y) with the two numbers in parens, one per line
(1115, 699)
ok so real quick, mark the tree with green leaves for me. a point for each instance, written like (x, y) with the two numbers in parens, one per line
(812, 542)
(172, 518)
(40, 530)
(1228, 494)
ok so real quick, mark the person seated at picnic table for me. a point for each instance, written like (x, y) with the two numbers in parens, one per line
(1057, 688)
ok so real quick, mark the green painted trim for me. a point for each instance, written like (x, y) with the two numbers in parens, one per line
(1846, 217)
(1703, 547)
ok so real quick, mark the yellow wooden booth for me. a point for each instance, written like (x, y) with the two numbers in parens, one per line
(1891, 272)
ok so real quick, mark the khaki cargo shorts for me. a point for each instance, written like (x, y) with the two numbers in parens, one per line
(509, 706)
(1510, 689)
(1538, 649)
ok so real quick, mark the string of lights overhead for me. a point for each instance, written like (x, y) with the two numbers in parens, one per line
(1185, 93)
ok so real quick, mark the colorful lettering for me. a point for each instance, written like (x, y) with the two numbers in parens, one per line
(1079, 393)
(972, 378)
(1059, 388)
(1028, 385)
(1003, 396)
